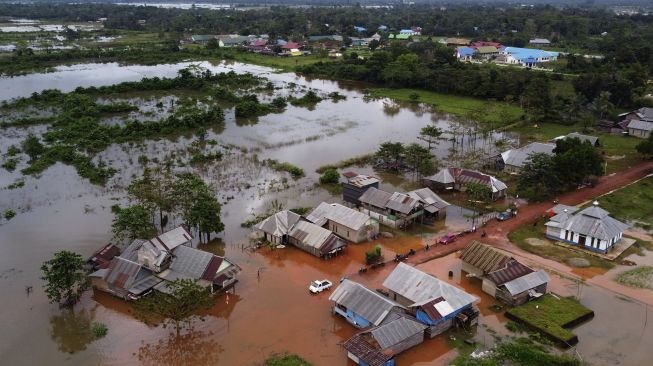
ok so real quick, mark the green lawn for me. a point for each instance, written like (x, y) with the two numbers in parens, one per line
(498, 113)
(550, 314)
(284, 63)
(632, 203)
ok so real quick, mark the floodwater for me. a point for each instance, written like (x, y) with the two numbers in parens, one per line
(271, 310)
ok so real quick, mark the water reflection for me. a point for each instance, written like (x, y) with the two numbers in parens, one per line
(72, 330)
(192, 348)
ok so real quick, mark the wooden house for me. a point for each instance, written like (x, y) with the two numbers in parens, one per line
(361, 306)
(315, 239)
(355, 185)
(449, 179)
(397, 210)
(275, 228)
(345, 222)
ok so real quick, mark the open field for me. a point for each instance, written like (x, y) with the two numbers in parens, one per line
(550, 315)
(633, 203)
(284, 63)
(640, 277)
(496, 113)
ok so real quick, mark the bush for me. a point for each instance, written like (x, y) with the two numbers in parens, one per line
(373, 255)
(9, 214)
(13, 150)
(99, 330)
(10, 164)
(330, 176)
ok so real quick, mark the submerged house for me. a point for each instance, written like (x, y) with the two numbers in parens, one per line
(396, 209)
(434, 303)
(433, 205)
(355, 185)
(125, 279)
(502, 276)
(592, 228)
(275, 229)
(512, 161)
(458, 178)
(345, 222)
(315, 239)
(363, 307)
(379, 345)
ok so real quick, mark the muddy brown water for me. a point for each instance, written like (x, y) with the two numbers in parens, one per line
(269, 313)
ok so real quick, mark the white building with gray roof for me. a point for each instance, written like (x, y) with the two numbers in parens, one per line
(345, 222)
(512, 161)
(592, 228)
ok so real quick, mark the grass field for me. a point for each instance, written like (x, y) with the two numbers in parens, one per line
(498, 113)
(551, 314)
(283, 63)
(640, 277)
(632, 203)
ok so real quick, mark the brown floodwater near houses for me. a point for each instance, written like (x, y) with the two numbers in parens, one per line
(271, 309)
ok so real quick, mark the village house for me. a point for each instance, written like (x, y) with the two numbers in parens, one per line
(363, 307)
(315, 239)
(379, 345)
(355, 185)
(275, 229)
(486, 52)
(397, 210)
(591, 228)
(434, 303)
(593, 140)
(527, 57)
(102, 257)
(638, 123)
(477, 44)
(512, 161)
(457, 179)
(539, 42)
(503, 277)
(465, 53)
(149, 264)
(434, 206)
(641, 129)
(455, 41)
(345, 222)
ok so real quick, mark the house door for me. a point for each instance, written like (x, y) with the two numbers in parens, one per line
(582, 239)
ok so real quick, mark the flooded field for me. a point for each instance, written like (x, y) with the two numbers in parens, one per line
(271, 310)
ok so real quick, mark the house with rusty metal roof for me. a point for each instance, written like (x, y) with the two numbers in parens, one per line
(355, 185)
(458, 179)
(275, 229)
(124, 278)
(433, 205)
(501, 274)
(591, 228)
(347, 223)
(435, 303)
(315, 239)
(399, 210)
(102, 257)
(363, 307)
(379, 345)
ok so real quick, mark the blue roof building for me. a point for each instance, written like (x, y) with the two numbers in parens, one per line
(360, 29)
(382, 27)
(465, 53)
(528, 57)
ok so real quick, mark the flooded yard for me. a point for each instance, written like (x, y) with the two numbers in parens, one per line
(271, 309)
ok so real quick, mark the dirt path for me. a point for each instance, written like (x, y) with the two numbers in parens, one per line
(497, 232)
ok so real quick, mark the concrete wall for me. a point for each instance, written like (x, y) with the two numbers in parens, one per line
(638, 133)
(471, 269)
(356, 236)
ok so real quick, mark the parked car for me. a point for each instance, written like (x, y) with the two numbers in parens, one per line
(506, 215)
(447, 239)
(318, 286)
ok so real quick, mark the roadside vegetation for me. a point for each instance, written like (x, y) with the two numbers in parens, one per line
(286, 359)
(520, 351)
(640, 277)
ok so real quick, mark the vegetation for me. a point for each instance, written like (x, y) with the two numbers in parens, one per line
(550, 315)
(99, 330)
(10, 164)
(394, 156)
(133, 222)
(179, 307)
(374, 255)
(646, 147)
(309, 99)
(295, 171)
(65, 278)
(356, 160)
(520, 351)
(640, 277)
(9, 214)
(286, 360)
(632, 203)
(330, 176)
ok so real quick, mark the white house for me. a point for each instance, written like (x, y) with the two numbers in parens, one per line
(592, 228)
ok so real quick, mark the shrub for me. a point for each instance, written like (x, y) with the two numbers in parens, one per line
(373, 255)
(99, 330)
(330, 176)
(10, 164)
(9, 214)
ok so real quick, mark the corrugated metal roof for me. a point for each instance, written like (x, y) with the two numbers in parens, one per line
(131, 252)
(145, 284)
(487, 49)
(466, 176)
(444, 176)
(640, 125)
(402, 202)
(594, 222)
(190, 261)
(375, 197)
(418, 287)
(527, 282)
(591, 139)
(278, 224)
(122, 273)
(338, 213)
(396, 331)
(511, 271)
(429, 199)
(360, 180)
(364, 349)
(519, 157)
(172, 238)
(212, 268)
(485, 257)
(645, 114)
(363, 301)
(560, 208)
(310, 234)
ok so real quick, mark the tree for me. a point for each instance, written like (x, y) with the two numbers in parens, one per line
(538, 178)
(32, 147)
(205, 215)
(391, 153)
(65, 278)
(330, 176)
(576, 161)
(131, 223)
(178, 307)
(646, 147)
(431, 134)
(478, 192)
(419, 159)
(602, 105)
(374, 44)
(212, 44)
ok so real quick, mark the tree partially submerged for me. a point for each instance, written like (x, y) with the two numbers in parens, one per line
(179, 307)
(65, 278)
(134, 222)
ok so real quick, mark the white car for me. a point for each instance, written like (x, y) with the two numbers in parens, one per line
(319, 286)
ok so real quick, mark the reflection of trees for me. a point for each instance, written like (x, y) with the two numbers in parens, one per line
(391, 108)
(215, 246)
(72, 331)
(192, 348)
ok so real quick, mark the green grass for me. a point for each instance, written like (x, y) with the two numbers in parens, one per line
(550, 250)
(520, 351)
(356, 160)
(640, 277)
(631, 203)
(283, 63)
(497, 113)
(551, 315)
(286, 360)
